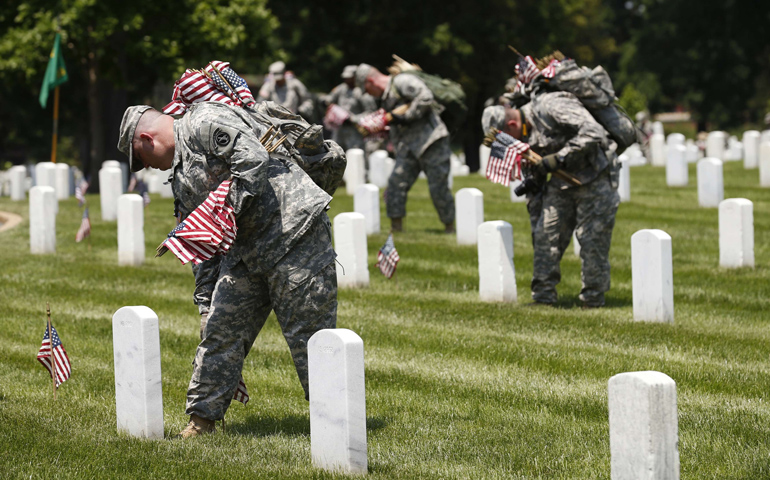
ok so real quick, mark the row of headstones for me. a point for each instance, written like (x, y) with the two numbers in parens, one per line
(130, 216)
(642, 405)
(380, 166)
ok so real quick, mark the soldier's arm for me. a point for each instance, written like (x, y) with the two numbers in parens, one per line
(569, 113)
(414, 91)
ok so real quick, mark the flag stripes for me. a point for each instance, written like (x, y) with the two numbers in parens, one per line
(387, 257)
(505, 159)
(63, 366)
(206, 85)
(241, 393)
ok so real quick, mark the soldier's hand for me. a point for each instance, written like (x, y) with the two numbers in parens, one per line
(396, 119)
(548, 164)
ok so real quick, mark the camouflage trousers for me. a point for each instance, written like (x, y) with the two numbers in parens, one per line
(435, 163)
(589, 211)
(301, 289)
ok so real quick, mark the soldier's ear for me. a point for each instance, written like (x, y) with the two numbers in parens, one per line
(146, 137)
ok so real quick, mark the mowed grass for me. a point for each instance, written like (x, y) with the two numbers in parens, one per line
(456, 388)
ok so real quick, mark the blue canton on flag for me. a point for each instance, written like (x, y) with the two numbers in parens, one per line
(387, 258)
(60, 358)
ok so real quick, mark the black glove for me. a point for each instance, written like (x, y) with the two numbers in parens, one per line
(549, 164)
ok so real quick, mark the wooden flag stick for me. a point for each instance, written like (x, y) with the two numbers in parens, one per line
(55, 123)
(50, 346)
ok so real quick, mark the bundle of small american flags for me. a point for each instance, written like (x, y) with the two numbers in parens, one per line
(527, 71)
(505, 159)
(335, 117)
(54, 359)
(387, 257)
(209, 230)
(85, 227)
(374, 123)
(215, 83)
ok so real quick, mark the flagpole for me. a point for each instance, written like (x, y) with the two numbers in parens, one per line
(55, 123)
(50, 345)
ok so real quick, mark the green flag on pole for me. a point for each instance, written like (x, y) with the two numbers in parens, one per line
(55, 73)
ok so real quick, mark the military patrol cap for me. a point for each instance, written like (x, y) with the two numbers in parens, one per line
(493, 116)
(127, 128)
(277, 69)
(362, 73)
(349, 71)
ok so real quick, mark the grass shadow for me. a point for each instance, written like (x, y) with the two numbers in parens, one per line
(290, 425)
(567, 302)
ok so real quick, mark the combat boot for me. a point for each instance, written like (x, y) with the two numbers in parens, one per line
(197, 426)
(396, 225)
(449, 228)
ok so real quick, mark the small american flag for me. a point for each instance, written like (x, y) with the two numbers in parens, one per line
(335, 117)
(527, 71)
(505, 159)
(85, 227)
(374, 123)
(241, 393)
(209, 230)
(63, 367)
(80, 192)
(387, 257)
(207, 86)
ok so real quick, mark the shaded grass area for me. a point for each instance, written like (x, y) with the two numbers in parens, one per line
(456, 388)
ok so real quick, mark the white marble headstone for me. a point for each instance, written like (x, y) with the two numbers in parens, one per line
(45, 176)
(337, 401)
(350, 245)
(110, 179)
(657, 128)
(484, 152)
(711, 189)
(675, 139)
(658, 150)
(750, 149)
(575, 245)
(355, 172)
(624, 179)
(62, 181)
(166, 190)
(469, 204)
(138, 380)
(644, 431)
(110, 163)
(42, 219)
(692, 153)
(764, 164)
(715, 145)
(497, 276)
(676, 167)
(153, 180)
(652, 276)
(379, 170)
(736, 233)
(366, 201)
(130, 229)
(18, 176)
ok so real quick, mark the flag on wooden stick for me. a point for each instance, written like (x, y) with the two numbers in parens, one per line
(54, 358)
(387, 257)
(241, 393)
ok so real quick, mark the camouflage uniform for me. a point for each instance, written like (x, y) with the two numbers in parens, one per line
(421, 143)
(560, 124)
(356, 102)
(293, 95)
(282, 258)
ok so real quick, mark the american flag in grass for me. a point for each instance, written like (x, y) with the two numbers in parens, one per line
(59, 357)
(387, 257)
(208, 85)
(241, 393)
(80, 192)
(505, 159)
(85, 227)
(209, 230)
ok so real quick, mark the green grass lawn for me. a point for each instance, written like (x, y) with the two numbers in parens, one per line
(456, 388)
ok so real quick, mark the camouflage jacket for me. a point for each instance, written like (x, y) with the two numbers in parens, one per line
(559, 123)
(293, 95)
(354, 101)
(275, 201)
(423, 125)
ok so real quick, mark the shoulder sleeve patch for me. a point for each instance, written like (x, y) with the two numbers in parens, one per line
(219, 139)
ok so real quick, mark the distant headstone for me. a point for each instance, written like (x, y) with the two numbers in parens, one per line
(125, 175)
(515, 198)
(484, 152)
(166, 189)
(130, 229)
(42, 219)
(750, 149)
(355, 172)
(153, 180)
(675, 139)
(657, 128)
(764, 164)
(62, 181)
(469, 203)
(379, 171)
(350, 245)
(764, 136)
(736, 233)
(676, 167)
(337, 401)
(652, 276)
(366, 201)
(734, 150)
(658, 150)
(18, 176)
(711, 188)
(45, 175)
(109, 191)
(497, 276)
(138, 386)
(575, 245)
(644, 431)
(110, 163)
(692, 153)
(624, 179)
(715, 145)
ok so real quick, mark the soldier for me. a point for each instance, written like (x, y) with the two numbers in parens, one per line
(558, 126)
(420, 140)
(355, 102)
(285, 89)
(282, 258)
